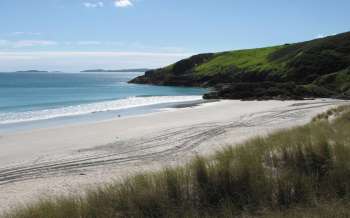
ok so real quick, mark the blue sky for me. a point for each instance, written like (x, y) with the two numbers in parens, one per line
(72, 35)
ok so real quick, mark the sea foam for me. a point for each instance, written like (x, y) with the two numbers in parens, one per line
(83, 109)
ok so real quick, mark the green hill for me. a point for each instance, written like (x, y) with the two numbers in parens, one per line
(316, 68)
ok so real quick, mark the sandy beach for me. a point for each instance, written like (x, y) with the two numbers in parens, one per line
(67, 160)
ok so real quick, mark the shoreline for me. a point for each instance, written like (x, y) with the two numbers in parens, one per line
(95, 117)
(65, 160)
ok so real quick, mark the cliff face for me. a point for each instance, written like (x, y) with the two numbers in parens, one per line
(179, 74)
(317, 68)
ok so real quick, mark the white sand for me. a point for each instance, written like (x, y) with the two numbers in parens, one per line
(66, 160)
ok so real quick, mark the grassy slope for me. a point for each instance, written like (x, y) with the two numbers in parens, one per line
(304, 64)
(252, 60)
(320, 56)
(301, 172)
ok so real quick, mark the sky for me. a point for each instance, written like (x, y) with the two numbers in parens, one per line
(74, 35)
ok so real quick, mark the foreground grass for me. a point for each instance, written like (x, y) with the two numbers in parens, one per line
(301, 172)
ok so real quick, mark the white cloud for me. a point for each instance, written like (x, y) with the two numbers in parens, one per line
(319, 36)
(26, 43)
(123, 3)
(26, 33)
(33, 43)
(73, 61)
(93, 4)
(92, 43)
(93, 54)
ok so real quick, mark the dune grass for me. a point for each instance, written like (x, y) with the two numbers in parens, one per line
(300, 172)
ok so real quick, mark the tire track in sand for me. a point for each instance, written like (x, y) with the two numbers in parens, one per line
(163, 145)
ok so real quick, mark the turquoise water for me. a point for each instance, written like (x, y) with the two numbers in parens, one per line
(26, 97)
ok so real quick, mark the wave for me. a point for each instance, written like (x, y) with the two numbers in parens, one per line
(83, 109)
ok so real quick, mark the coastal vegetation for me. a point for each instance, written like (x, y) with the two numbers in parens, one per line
(298, 172)
(316, 68)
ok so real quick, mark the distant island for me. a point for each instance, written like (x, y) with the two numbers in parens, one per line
(116, 71)
(32, 71)
(319, 68)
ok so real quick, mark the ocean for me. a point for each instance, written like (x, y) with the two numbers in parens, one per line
(34, 100)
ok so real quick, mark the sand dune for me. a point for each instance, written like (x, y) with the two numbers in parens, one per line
(66, 160)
